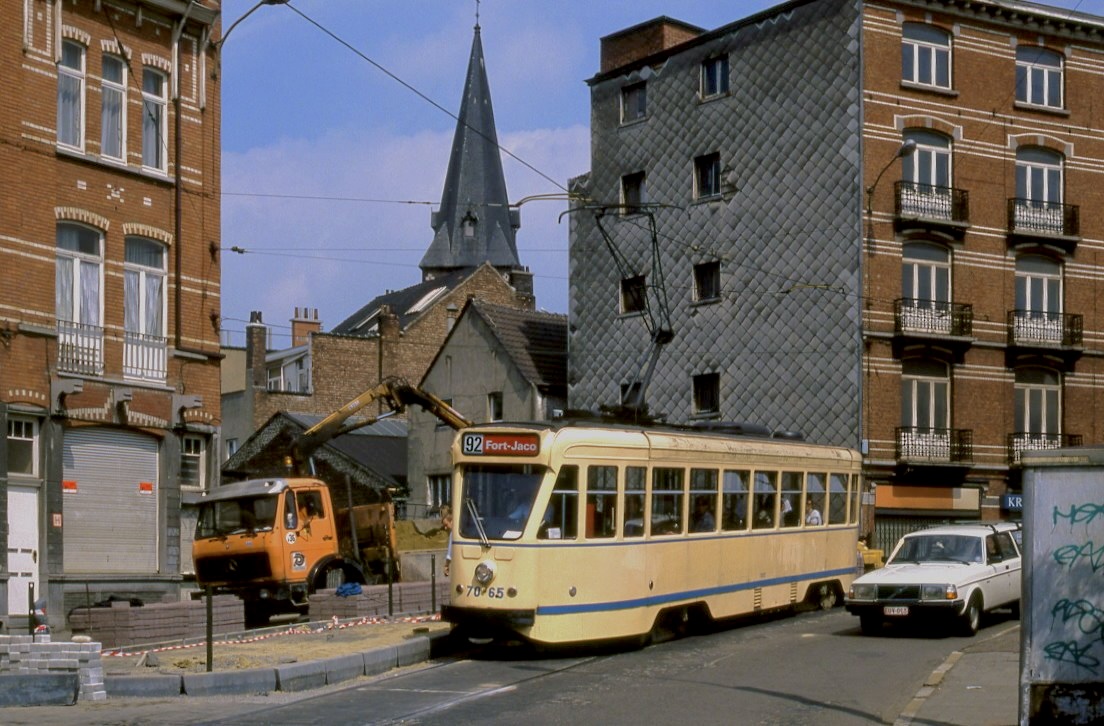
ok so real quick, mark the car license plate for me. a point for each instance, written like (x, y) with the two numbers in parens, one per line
(895, 610)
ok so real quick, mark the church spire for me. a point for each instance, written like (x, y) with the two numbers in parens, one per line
(474, 223)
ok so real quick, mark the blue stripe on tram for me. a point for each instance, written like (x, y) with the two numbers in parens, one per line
(685, 595)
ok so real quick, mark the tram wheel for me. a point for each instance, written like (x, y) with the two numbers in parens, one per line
(827, 597)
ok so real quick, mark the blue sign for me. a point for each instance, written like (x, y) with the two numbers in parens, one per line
(1012, 502)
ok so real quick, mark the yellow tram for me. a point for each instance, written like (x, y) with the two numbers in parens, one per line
(578, 532)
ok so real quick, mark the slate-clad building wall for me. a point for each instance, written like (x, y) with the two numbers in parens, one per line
(783, 333)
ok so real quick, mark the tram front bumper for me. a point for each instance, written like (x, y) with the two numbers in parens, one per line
(485, 620)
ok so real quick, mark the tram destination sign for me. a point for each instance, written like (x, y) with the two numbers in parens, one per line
(500, 444)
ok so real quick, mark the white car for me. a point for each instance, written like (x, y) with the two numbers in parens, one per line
(951, 574)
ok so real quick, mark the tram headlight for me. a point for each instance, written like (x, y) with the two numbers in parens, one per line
(484, 573)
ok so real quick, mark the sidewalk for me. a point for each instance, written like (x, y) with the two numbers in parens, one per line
(977, 686)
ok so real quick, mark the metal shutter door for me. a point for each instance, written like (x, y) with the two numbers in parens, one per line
(109, 494)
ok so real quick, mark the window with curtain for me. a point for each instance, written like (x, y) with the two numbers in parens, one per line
(78, 274)
(70, 95)
(154, 119)
(1038, 401)
(144, 287)
(925, 395)
(113, 108)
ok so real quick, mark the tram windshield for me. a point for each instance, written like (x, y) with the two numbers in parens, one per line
(497, 499)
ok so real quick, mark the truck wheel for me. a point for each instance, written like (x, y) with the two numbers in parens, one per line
(257, 613)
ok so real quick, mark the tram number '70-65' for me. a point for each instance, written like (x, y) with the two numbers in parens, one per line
(491, 592)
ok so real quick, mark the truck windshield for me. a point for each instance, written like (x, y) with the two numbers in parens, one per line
(501, 496)
(232, 516)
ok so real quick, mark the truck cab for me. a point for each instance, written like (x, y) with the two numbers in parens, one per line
(271, 542)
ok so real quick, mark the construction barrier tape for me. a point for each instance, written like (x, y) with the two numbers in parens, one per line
(304, 629)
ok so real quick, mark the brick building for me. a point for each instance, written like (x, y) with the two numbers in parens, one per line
(109, 293)
(877, 223)
(473, 254)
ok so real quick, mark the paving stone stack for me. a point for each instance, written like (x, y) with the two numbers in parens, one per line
(37, 656)
(124, 625)
(408, 598)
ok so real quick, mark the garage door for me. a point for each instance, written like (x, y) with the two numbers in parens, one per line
(109, 496)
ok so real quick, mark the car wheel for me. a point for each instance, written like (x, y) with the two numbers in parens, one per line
(870, 624)
(971, 617)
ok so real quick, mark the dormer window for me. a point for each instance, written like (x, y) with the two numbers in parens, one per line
(467, 224)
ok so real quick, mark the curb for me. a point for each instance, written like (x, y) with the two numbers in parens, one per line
(286, 677)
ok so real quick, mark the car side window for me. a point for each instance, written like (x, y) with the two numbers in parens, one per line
(1006, 546)
(992, 552)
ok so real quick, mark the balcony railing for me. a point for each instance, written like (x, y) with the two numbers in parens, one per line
(145, 356)
(1033, 217)
(1022, 441)
(80, 348)
(1042, 328)
(923, 445)
(927, 201)
(932, 317)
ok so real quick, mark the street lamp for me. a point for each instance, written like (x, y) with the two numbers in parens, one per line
(250, 11)
(905, 149)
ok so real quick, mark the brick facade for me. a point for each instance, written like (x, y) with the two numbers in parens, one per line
(159, 380)
(807, 331)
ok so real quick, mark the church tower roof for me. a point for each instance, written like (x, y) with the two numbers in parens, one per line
(474, 223)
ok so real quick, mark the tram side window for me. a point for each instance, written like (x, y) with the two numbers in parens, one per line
(703, 500)
(601, 501)
(667, 501)
(635, 476)
(734, 504)
(837, 499)
(765, 503)
(561, 517)
(814, 499)
(855, 493)
(791, 498)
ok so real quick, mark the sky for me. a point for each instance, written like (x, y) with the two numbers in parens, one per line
(335, 144)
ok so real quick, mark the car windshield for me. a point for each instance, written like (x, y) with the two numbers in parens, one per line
(938, 548)
(496, 500)
(234, 516)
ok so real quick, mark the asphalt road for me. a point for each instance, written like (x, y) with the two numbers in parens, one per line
(812, 668)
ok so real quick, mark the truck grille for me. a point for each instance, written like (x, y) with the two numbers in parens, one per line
(233, 568)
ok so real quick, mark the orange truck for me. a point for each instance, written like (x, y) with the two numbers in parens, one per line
(274, 541)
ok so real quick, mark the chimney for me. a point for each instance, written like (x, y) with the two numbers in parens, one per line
(256, 339)
(626, 47)
(303, 324)
(388, 323)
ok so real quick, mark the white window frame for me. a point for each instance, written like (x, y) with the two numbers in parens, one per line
(155, 121)
(26, 429)
(72, 109)
(149, 321)
(1032, 394)
(922, 47)
(714, 77)
(194, 447)
(116, 90)
(707, 176)
(937, 391)
(79, 264)
(1038, 65)
(438, 490)
(1039, 175)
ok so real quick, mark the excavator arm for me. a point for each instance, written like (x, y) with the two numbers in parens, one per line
(395, 393)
